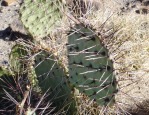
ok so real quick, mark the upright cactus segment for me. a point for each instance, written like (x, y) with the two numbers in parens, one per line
(16, 57)
(4, 72)
(41, 16)
(90, 69)
(51, 76)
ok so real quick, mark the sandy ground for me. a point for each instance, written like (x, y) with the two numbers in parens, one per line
(9, 23)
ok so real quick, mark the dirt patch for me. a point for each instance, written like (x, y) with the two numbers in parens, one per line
(9, 24)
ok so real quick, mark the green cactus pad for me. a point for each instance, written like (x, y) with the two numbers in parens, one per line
(4, 72)
(90, 69)
(17, 58)
(41, 16)
(51, 76)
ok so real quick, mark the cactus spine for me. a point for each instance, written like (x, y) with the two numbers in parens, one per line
(90, 69)
(51, 76)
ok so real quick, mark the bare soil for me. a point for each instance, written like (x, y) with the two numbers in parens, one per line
(9, 23)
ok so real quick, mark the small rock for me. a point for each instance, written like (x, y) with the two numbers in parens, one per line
(5, 62)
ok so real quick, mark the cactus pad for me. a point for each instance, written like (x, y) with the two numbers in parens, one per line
(17, 60)
(90, 69)
(40, 16)
(51, 76)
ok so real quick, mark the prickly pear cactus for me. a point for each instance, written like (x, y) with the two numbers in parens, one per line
(41, 16)
(15, 93)
(4, 72)
(17, 58)
(51, 76)
(90, 69)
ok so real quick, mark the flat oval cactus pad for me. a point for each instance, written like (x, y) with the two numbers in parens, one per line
(90, 69)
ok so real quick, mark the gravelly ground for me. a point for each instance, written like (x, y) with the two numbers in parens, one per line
(9, 22)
